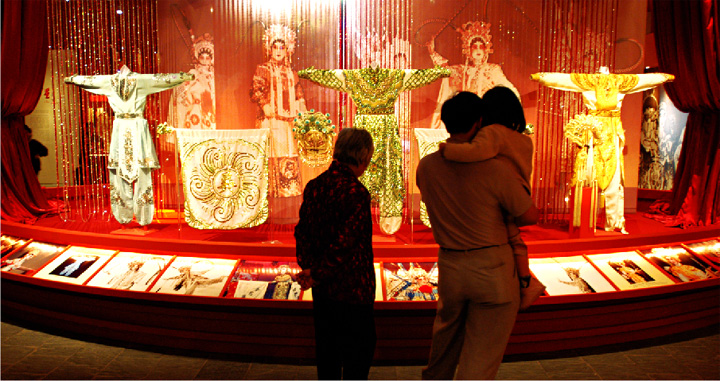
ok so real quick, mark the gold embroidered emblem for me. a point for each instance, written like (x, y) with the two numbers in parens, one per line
(226, 184)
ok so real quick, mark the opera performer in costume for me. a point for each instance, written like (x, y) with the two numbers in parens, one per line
(195, 100)
(375, 91)
(603, 94)
(132, 152)
(277, 91)
(476, 75)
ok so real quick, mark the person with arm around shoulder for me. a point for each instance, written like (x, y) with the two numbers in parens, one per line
(479, 289)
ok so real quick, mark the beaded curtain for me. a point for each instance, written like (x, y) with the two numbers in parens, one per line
(92, 37)
(576, 38)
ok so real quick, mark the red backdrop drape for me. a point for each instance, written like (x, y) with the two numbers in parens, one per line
(687, 46)
(24, 58)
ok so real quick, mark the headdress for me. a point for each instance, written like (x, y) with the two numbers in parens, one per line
(472, 30)
(204, 45)
(313, 132)
(279, 32)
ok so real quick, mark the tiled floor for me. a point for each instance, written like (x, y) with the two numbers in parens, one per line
(30, 353)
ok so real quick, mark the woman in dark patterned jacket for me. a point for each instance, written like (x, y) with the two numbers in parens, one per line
(334, 248)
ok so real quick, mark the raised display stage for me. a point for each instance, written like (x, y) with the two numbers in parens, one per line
(282, 329)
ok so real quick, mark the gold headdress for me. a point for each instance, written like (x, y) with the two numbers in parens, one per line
(472, 30)
(204, 45)
(279, 32)
(314, 133)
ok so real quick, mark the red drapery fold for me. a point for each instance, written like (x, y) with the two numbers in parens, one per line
(24, 58)
(687, 46)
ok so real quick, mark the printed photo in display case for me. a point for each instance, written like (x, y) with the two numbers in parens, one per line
(629, 270)
(709, 250)
(130, 271)
(265, 280)
(30, 258)
(679, 263)
(569, 276)
(408, 281)
(195, 276)
(8, 244)
(307, 294)
(76, 265)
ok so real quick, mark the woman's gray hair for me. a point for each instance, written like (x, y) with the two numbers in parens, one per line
(353, 146)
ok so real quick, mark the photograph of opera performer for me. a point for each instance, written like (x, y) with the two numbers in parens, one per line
(130, 271)
(30, 258)
(679, 263)
(630, 271)
(277, 91)
(195, 276)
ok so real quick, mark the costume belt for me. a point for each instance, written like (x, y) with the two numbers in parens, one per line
(378, 111)
(466, 250)
(128, 116)
(605, 113)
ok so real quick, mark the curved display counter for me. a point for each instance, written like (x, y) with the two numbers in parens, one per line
(164, 314)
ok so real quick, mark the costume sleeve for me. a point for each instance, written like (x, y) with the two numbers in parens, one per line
(501, 79)
(155, 83)
(560, 81)
(648, 81)
(259, 92)
(299, 92)
(415, 78)
(444, 94)
(438, 59)
(486, 144)
(327, 78)
(96, 84)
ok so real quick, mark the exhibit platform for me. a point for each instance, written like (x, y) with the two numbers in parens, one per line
(609, 312)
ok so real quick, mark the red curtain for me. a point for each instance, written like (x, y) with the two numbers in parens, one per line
(687, 46)
(24, 58)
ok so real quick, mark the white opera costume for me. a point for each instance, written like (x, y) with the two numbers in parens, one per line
(603, 94)
(194, 102)
(277, 92)
(132, 153)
